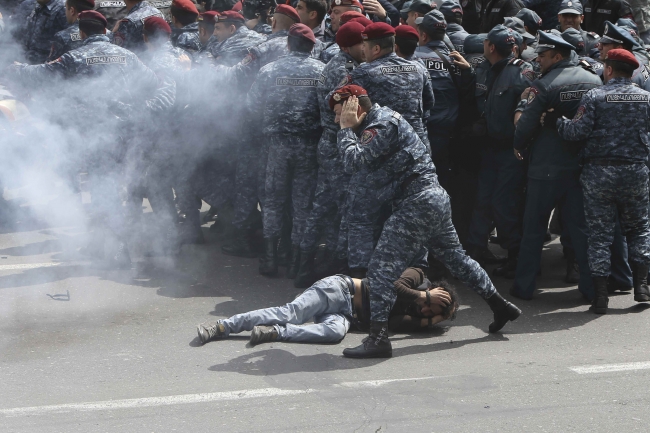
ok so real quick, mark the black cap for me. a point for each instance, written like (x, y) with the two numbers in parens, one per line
(474, 43)
(530, 19)
(421, 6)
(570, 7)
(517, 25)
(432, 22)
(574, 37)
(502, 37)
(551, 41)
(614, 34)
(450, 8)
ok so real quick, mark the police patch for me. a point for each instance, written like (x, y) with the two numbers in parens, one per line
(399, 69)
(579, 113)
(112, 4)
(295, 82)
(532, 95)
(106, 60)
(572, 95)
(345, 80)
(368, 135)
(247, 60)
(530, 74)
(627, 97)
(75, 37)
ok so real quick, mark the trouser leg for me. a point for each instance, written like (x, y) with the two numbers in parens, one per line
(303, 185)
(507, 199)
(633, 212)
(620, 268)
(327, 328)
(481, 222)
(277, 186)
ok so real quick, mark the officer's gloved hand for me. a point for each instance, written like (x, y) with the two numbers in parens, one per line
(549, 119)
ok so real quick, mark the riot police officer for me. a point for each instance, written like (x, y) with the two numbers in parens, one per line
(69, 38)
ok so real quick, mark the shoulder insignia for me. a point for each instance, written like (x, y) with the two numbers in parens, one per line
(530, 74)
(516, 62)
(367, 136)
(247, 59)
(579, 113)
(594, 34)
(396, 115)
(345, 80)
(532, 95)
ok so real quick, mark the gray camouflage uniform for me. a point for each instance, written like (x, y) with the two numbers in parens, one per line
(130, 32)
(43, 23)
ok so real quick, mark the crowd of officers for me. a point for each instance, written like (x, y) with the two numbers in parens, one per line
(346, 132)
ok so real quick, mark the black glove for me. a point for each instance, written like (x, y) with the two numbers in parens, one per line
(550, 120)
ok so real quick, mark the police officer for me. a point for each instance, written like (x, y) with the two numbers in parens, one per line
(69, 38)
(185, 29)
(232, 39)
(283, 100)
(518, 26)
(339, 8)
(406, 42)
(379, 140)
(553, 168)
(257, 13)
(312, 14)
(500, 80)
(449, 83)
(128, 32)
(639, 49)
(453, 13)
(532, 24)
(571, 16)
(113, 10)
(617, 37)
(474, 49)
(47, 18)
(613, 119)
(597, 12)
(417, 9)
(329, 200)
(494, 11)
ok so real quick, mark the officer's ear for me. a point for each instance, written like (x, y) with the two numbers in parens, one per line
(232, 29)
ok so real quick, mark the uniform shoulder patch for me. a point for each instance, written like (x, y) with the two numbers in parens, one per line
(247, 59)
(532, 94)
(345, 80)
(516, 62)
(579, 113)
(530, 74)
(367, 136)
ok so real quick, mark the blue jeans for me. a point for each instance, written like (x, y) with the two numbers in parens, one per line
(327, 301)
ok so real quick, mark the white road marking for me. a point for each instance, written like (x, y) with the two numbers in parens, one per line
(606, 368)
(27, 266)
(375, 383)
(135, 403)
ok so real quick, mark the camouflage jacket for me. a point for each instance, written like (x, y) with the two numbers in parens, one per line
(130, 32)
(42, 24)
(187, 38)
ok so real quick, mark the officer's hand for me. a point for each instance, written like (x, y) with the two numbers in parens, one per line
(185, 61)
(459, 60)
(549, 119)
(524, 94)
(518, 155)
(437, 296)
(349, 114)
(373, 7)
(517, 116)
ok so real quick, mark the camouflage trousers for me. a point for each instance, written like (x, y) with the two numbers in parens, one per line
(251, 162)
(421, 219)
(291, 174)
(211, 181)
(610, 191)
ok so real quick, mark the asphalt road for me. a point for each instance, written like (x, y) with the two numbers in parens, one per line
(88, 350)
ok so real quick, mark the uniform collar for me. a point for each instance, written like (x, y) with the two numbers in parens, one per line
(138, 6)
(437, 44)
(619, 80)
(454, 27)
(95, 38)
(348, 57)
(299, 54)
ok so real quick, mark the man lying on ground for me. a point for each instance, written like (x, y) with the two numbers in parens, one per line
(335, 303)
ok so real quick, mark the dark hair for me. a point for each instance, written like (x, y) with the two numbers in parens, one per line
(300, 44)
(436, 35)
(624, 69)
(91, 27)
(365, 103)
(183, 16)
(503, 52)
(448, 312)
(565, 53)
(456, 18)
(384, 43)
(406, 46)
(79, 6)
(207, 25)
(320, 6)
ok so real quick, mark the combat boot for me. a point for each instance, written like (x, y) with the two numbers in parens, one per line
(239, 245)
(503, 310)
(269, 260)
(509, 268)
(211, 332)
(263, 334)
(572, 270)
(305, 276)
(284, 251)
(601, 300)
(483, 256)
(189, 228)
(375, 345)
(640, 279)
(294, 263)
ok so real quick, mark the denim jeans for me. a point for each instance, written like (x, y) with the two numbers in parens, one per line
(327, 301)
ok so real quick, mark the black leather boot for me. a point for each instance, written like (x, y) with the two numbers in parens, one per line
(239, 245)
(375, 345)
(284, 251)
(305, 276)
(572, 271)
(189, 228)
(640, 279)
(269, 260)
(509, 268)
(601, 300)
(503, 310)
(294, 263)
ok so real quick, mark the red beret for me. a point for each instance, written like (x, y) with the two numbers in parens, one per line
(156, 25)
(347, 16)
(185, 5)
(288, 11)
(622, 55)
(237, 7)
(229, 16)
(208, 17)
(406, 32)
(347, 3)
(349, 34)
(365, 22)
(343, 93)
(378, 31)
(93, 16)
(302, 31)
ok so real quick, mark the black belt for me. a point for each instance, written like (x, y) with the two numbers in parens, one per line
(612, 162)
(350, 283)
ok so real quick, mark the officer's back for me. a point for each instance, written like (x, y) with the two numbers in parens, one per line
(453, 13)
(130, 30)
(44, 21)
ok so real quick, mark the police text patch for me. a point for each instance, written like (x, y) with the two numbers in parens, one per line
(401, 69)
(75, 37)
(604, 11)
(112, 4)
(572, 95)
(627, 97)
(106, 60)
(434, 65)
(297, 82)
(481, 86)
(163, 4)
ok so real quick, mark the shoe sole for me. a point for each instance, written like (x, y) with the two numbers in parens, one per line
(383, 355)
(641, 298)
(201, 337)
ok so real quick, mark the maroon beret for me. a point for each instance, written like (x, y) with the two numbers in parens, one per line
(208, 17)
(378, 31)
(347, 3)
(288, 11)
(349, 34)
(93, 16)
(622, 55)
(302, 31)
(343, 93)
(185, 5)
(229, 16)
(365, 22)
(406, 32)
(347, 16)
(156, 26)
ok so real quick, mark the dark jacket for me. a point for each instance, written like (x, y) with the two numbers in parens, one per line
(598, 11)
(495, 10)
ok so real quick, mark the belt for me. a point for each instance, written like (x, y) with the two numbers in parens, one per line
(612, 162)
(350, 283)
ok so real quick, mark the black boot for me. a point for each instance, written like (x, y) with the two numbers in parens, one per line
(640, 279)
(269, 261)
(503, 310)
(284, 251)
(323, 262)
(601, 300)
(572, 270)
(509, 268)
(375, 345)
(239, 245)
(189, 228)
(614, 286)
(305, 276)
(294, 263)
(483, 256)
